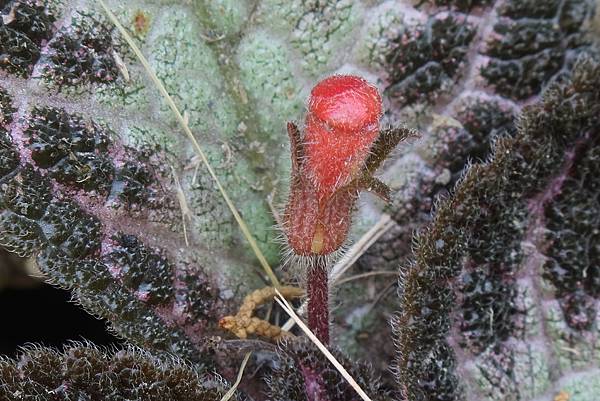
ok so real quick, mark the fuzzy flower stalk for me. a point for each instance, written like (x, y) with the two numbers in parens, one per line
(334, 158)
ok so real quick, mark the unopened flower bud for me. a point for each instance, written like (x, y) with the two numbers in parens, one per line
(333, 159)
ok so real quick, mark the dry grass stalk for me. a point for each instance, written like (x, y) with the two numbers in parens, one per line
(290, 311)
(231, 391)
(152, 75)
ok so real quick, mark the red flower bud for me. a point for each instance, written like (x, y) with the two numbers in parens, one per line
(341, 125)
(333, 160)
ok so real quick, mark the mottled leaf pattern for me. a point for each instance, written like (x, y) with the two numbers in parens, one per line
(90, 157)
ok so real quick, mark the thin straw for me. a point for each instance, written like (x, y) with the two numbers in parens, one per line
(288, 309)
(261, 258)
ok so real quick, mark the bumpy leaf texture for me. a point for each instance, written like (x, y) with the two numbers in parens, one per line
(83, 372)
(502, 300)
(302, 373)
(90, 157)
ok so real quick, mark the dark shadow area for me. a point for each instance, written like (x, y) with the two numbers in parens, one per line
(45, 315)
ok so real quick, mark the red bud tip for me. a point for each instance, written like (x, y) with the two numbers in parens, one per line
(341, 124)
(346, 102)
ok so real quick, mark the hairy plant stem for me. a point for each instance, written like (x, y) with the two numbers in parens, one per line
(318, 298)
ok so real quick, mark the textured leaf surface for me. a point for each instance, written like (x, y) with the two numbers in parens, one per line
(502, 299)
(88, 150)
(83, 372)
(303, 371)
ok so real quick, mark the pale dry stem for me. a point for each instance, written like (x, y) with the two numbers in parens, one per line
(182, 121)
(290, 311)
